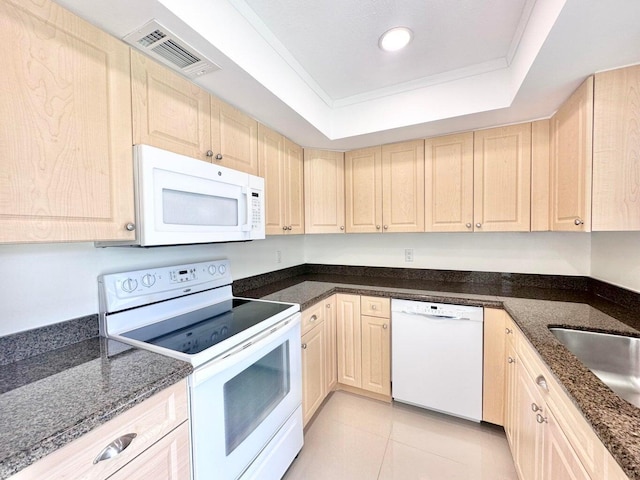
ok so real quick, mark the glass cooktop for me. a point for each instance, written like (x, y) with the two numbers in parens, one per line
(198, 330)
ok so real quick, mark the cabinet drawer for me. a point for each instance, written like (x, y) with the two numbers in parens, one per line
(312, 316)
(168, 459)
(150, 421)
(375, 306)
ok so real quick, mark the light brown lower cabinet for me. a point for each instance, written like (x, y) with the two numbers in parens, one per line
(160, 447)
(364, 345)
(313, 371)
(167, 460)
(319, 374)
(548, 436)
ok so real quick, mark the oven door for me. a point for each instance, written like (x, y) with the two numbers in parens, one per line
(239, 403)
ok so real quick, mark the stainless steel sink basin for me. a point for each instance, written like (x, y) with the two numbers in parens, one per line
(614, 359)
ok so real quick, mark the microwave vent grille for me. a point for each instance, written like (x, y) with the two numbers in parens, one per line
(162, 45)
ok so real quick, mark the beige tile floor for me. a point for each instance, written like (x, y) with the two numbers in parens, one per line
(355, 438)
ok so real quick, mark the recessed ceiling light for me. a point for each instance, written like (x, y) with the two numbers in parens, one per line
(395, 39)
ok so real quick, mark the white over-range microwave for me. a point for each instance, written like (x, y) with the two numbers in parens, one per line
(180, 200)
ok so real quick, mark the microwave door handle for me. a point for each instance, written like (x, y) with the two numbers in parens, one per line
(247, 194)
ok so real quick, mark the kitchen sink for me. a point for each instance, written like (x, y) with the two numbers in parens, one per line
(614, 359)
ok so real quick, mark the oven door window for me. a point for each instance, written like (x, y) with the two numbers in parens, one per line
(254, 393)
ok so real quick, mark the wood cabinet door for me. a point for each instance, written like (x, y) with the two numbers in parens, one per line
(502, 179)
(493, 386)
(331, 362)
(66, 142)
(376, 358)
(560, 460)
(271, 166)
(294, 187)
(234, 137)
(448, 183)
(313, 371)
(529, 440)
(169, 111)
(571, 161)
(510, 385)
(540, 165)
(348, 340)
(363, 190)
(323, 191)
(169, 459)
(403, 187)
(616, 150)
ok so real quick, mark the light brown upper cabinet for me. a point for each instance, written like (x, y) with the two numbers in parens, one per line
(323, 191)
(616, 150)
(502, 179)
(448, 166)
(173, 113)
(234, 138)
(540, 164)
(363, 190)
(66, 129)
(403, 187)
(280, 163)
(571, 159)
(169, 111)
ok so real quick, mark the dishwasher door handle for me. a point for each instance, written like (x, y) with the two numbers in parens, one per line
(440, 317)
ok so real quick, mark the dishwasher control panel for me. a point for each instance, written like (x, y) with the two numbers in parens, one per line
(439, 310)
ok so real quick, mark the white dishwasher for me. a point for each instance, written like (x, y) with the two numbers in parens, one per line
(437, 357)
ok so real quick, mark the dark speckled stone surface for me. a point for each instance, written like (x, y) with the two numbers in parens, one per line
(534, 305)
(53, 398)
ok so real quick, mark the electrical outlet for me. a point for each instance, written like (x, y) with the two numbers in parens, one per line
(278, 256)
(408, 254)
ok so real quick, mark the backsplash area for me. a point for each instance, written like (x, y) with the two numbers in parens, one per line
(50, 283)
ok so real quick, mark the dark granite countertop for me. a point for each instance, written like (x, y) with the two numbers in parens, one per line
(50, 399)
(615, 421)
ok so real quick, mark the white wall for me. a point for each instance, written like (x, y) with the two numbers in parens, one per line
(615, 258)
(44, 284)
(542, 253)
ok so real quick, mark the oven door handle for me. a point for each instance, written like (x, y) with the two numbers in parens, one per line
(248, 348)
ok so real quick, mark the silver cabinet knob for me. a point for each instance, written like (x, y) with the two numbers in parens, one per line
(115, 448)
(511, 360)
(385, 326)
(219, 156)
(284, 227)
(508, 331)
(342, 227)
(578, 221)
(328, 305)
(289, 228)
(304, 346)
(377, 227)
(130, 226)
(313, 318)
(386, 227)
(542, 382)
(540, 419)
(374, 307)
(209, 153)
(468, 225)
(478, 225)
(536, 408)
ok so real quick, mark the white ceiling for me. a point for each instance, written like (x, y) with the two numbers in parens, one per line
(313, 71)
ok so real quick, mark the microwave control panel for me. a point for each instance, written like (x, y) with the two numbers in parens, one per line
(256, 211)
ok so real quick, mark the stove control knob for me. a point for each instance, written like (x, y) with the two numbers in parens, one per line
(222, 268)
(214, 336)
(212, 269)
(148, 280)
(129, 285)
(224, 330)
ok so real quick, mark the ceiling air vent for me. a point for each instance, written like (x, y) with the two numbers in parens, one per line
(159, 43)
